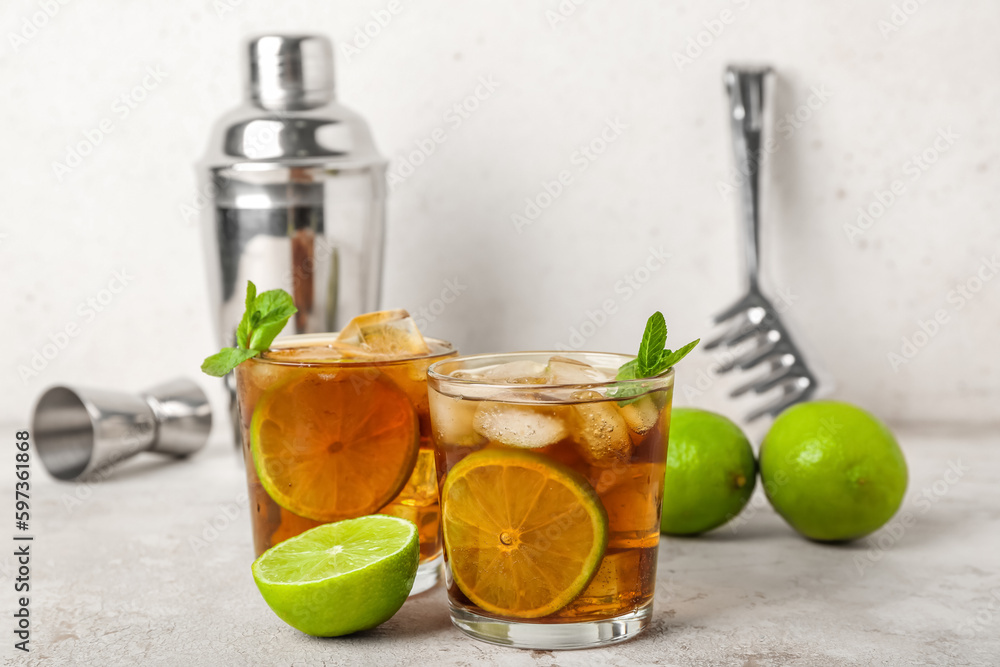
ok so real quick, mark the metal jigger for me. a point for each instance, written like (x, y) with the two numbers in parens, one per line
(82, 433)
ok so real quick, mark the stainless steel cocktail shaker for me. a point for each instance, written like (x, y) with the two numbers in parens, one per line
(298, 193)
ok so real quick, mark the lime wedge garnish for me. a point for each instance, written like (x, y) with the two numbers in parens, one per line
(342, 577)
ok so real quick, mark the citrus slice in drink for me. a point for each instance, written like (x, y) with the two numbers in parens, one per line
(337, 445)
(524, 535)
(340, 577)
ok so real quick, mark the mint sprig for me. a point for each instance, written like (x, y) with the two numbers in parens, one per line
(265, 316)
(653, 358)
(654, 339)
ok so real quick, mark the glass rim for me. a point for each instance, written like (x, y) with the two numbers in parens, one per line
(289, 341)
(436, 376)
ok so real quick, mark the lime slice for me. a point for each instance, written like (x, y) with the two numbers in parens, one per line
(341, 577)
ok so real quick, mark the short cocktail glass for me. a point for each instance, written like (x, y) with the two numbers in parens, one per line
(551, 481)
(329, 434)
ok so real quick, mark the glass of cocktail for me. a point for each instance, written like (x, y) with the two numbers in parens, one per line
(551, 477)
(336, 426)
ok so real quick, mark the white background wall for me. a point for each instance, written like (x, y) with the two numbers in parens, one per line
(887, 93)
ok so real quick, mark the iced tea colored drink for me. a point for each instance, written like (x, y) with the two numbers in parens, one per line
(551, 479)
(337, 426)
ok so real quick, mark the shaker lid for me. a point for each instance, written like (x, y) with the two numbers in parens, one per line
(290, 116)
(289, 72)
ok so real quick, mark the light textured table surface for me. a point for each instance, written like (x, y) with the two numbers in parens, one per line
(152, 567)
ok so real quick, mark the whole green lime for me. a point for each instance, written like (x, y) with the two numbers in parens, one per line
(341, 577)
(832, 470)
(710, 472)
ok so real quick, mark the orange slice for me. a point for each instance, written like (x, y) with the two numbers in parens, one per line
(337, 445)
(524, 535)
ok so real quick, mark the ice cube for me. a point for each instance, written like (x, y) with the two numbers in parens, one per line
(563, 370)
(622, 580)
(386, 332)
(515, 372)
(600, 430)
(325, 352)
(641, 416)
(519, 425)
(451, 421)
(631, 496)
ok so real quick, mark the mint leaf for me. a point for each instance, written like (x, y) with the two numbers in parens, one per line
(265, 316)
(627, 393)
(265, 333)
(272, 311)
(220, 363)
(628, 370)
(243, 330)
(653, 340)
(652, 360)
(671, 358)
(251, 296)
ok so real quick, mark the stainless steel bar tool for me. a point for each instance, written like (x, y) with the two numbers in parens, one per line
(81, 432)
(754, 317)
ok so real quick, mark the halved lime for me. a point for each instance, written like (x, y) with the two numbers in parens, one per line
(341, 577)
